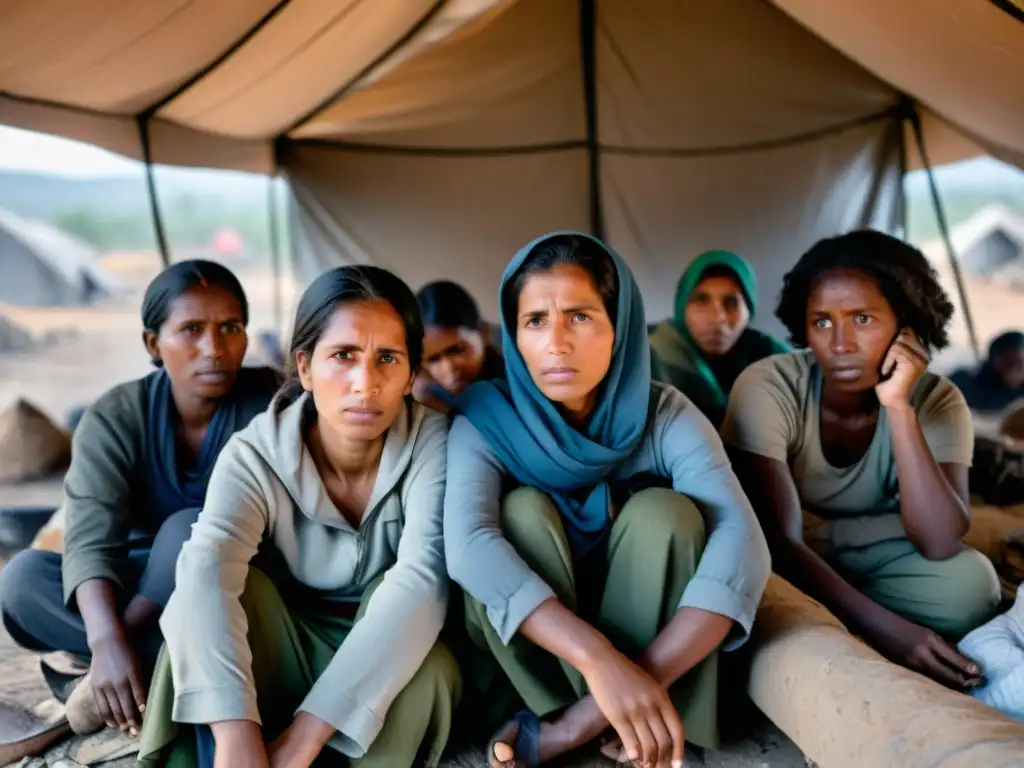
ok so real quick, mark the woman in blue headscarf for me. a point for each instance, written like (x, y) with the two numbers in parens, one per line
(594, 522)
(141, 461)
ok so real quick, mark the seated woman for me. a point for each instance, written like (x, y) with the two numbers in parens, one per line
(339, 486)
(708, 342)
(141, 460)
(857, 432)
(1000, 379)
(626, 554)
(455, 351)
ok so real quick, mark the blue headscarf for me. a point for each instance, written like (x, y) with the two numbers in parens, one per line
(536, 444)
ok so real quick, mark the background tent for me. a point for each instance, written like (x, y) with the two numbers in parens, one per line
(437, 136)
(41, 266)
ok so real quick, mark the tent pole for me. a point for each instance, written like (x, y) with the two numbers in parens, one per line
(273, 226)
(154, 204)
(940, 216)
(588, 44)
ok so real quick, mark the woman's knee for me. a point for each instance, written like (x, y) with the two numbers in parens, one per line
(664, 514)
(972, 592)
(23, 581)
(527, 511)
(438, 679)
(175, 531)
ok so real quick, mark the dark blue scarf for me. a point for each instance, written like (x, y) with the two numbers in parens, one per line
(172, 487)
(541, 449)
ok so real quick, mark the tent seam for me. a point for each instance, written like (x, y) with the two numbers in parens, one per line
(378, 61)
(232, 49)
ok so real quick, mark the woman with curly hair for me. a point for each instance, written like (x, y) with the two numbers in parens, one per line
(856, 431)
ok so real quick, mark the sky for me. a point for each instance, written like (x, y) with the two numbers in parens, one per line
(39, 153)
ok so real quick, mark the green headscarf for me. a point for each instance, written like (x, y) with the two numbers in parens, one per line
(680, 360)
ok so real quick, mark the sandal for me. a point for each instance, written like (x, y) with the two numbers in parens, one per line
(521, 734)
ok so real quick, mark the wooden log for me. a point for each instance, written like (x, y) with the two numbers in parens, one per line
(845, 706)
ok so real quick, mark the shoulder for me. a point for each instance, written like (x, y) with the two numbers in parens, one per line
(428, 428)
(120, 410)
(673, 412)
(788, 373)
(935, 393)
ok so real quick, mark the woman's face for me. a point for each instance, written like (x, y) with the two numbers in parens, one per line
(717, 314)
(202, 342)
(359, 372)
(453, 357)
(850, 326)
(565, 336)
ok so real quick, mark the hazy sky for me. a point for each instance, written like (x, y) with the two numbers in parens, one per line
(26, 151)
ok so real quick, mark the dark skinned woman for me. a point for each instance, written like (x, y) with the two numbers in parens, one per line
(855, 431)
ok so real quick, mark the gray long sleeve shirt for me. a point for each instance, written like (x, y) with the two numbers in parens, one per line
(266, 488)
(680, 445)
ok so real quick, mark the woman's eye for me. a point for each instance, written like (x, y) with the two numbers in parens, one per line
(342, 355)
(862, 319)
(231, 328)
(193, 328)
(822, 322)
(579, 317)
(388, 359)
(534, 322)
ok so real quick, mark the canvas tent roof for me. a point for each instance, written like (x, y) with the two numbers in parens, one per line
(436, 136)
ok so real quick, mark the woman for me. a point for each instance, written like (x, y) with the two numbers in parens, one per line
(455, 351)
(857, 432)
(708, 341)
(141, 460)
(626, 553)
(339, 486)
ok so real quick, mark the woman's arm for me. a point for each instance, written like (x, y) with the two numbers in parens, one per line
(771, 489)
(933, 498)
(210, 658)
(404, 615)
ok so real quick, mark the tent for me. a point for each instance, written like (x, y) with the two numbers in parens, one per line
(44, 267)
(437, 136)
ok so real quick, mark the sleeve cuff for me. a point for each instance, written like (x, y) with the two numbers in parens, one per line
(525, 600)
(715, 597)
(211, 705)
(355, 725)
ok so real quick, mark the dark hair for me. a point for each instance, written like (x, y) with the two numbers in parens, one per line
(345, 285)
(448, 305)
(566, 249)
(903, 275)
(179, 278)
(1005, 342)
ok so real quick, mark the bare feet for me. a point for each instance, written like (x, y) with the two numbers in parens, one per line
(550, 741)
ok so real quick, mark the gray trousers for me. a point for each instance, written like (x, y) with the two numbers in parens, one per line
(32, 604)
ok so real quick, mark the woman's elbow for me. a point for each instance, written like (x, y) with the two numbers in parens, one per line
(940, 548)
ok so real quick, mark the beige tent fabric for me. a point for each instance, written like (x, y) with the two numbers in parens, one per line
(697, 76)
(769, 206)
(236, 73)
(512, 79)
(963, 59)
(115, 56)
(427, 217)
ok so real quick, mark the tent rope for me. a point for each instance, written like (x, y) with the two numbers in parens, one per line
(940, 216)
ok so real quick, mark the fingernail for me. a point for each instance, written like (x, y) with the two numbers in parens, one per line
(678, 764)
(632, 755)
(142, 708)
(134, 732)
(974, 670)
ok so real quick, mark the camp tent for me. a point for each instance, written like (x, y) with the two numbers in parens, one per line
(437, 136)
(41, 266)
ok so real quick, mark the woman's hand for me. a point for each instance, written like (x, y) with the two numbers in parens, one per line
(904, 364)
(638, 708)
(117, 683)
(301, 742)
(922, 650)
